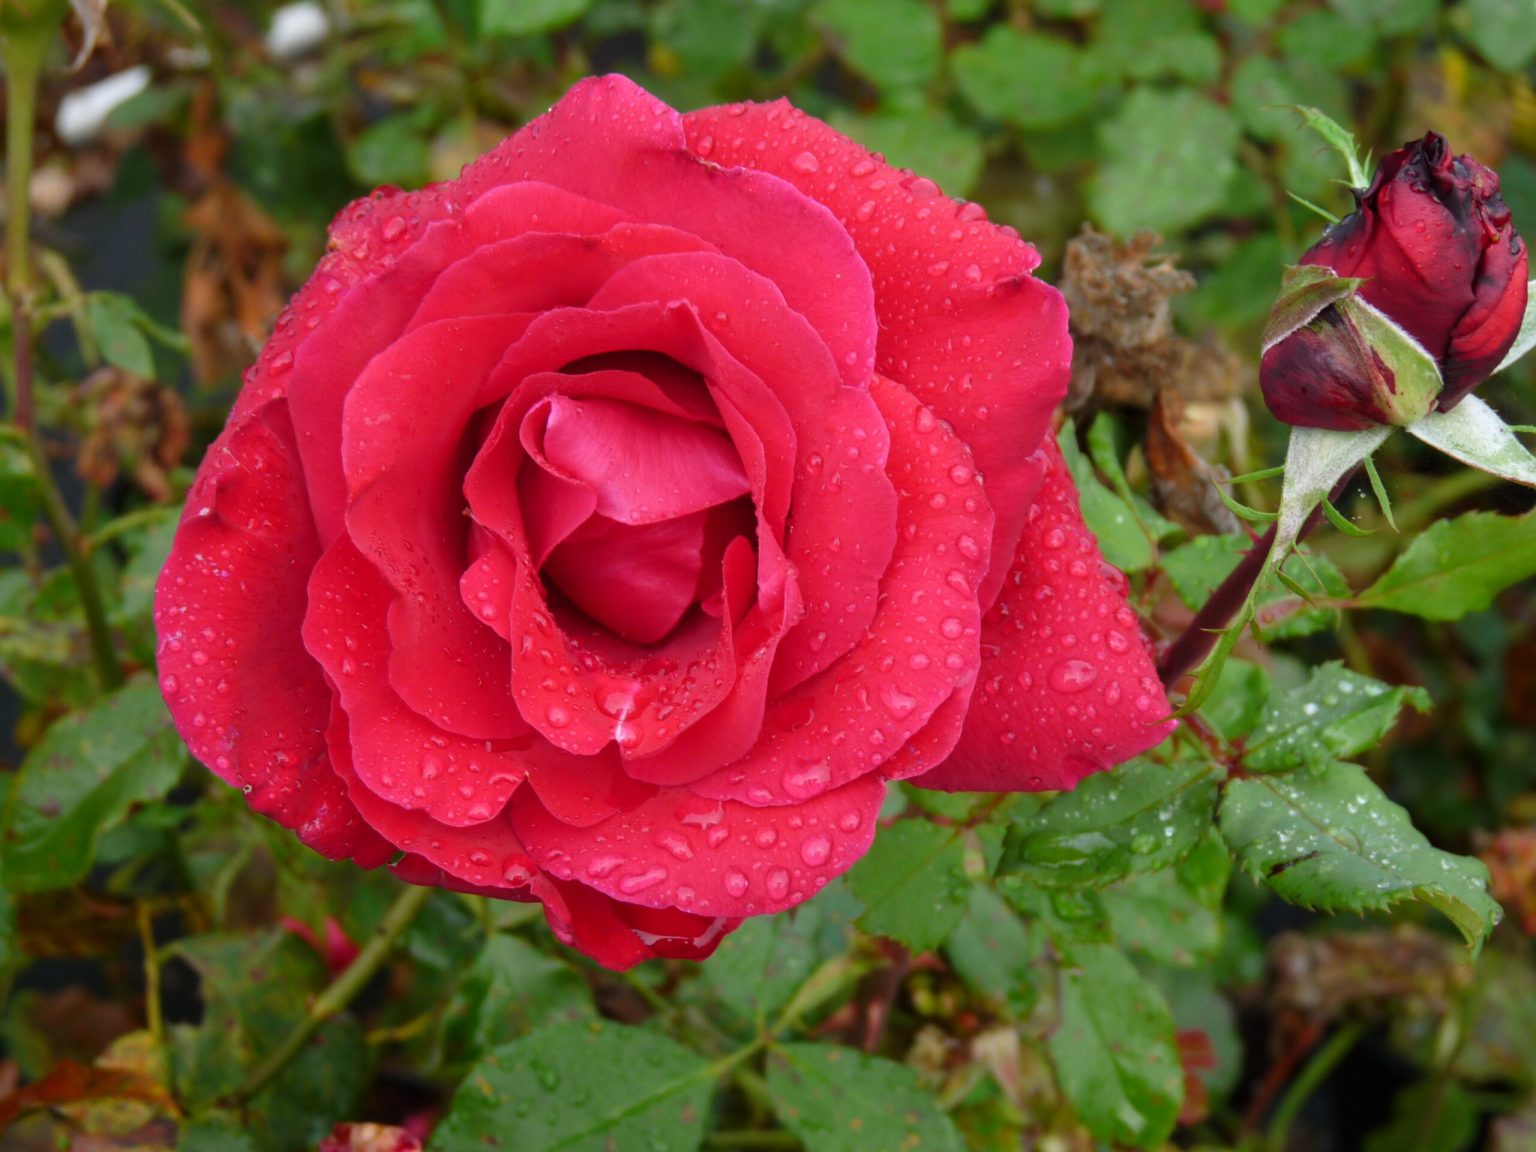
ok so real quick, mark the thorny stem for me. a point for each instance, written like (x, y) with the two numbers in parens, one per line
(341, 991)
(23, 62)
(1187, 652)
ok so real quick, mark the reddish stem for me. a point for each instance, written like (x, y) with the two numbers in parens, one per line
(1186, 653)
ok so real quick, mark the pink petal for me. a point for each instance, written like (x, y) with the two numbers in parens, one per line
(648, 172)
(842, 530)
(229, 605)
(404, 475)
(362, 305)
(962, 324)
(708, 857)
(543, 269)
(645, 466)
(919, 650)
(396, 752)
(1067, 685)
(635, 580)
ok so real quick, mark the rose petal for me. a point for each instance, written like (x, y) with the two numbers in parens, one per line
(920, 648)
(708, 857)
(962, 324)
(844, 523)
(1067, 687)
(396, 752)
(619, 935)
(635, 580)
(229, 606)
(648, 171)
(645, 466)
(361, 310)
(404, 478)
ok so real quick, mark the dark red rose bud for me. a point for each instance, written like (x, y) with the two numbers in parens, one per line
(1435, 252)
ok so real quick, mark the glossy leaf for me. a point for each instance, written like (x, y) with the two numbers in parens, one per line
(581, 1088)
(1336, 714)
(1457, 566)
(1328, 838)
(913, 883)
(840, 1100)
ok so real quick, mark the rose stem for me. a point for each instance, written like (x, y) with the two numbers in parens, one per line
(23, 66)
(341, 991)
(1200, 637)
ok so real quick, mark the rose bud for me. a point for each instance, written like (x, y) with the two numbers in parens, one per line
(609, 526)
(1428, 268)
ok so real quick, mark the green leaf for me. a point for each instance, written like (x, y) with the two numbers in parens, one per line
(1457, 566)
(1503, 31)
(117, 323)
(510, 990)
(1436, 1115)
(996, 953)
(1473, 433)
(1335, 715)
(1260, 92)
(85, 774)
(1198, 568)
(1328, 838)
(913, 883)
(527, 17)
(1173, 916)
(836, 1099)
(253, 991)
(924, 139)
(1114, 1048)
(1389, 17)
(1168, 157)
(895, 44)
(393, 150)
(581, 1088)
(19, 502)
(1237, 700)
(1138, 817)
(1111, 520)
(1029, 79)
(760, 966)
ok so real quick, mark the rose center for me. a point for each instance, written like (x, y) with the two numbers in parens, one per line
(629, 509)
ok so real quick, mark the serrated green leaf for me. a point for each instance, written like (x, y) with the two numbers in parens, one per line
(913, 883)
(581, 1088)
(1198, 567)
(1237, 700)
(1114, 1048)
(1328, 838)
(1457, 566)
(895, 44)
(89, 769)
(116, 321)
(996, 953)
(1138, 817)
(1029, 79)
(837, 1099)
(510, 990)
(1174, 915)
(1168, 157)
(759, 967)
(1335, 715)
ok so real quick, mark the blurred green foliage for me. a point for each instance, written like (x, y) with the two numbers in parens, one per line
(1063, 969)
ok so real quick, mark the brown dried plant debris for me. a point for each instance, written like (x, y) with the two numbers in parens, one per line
(233, 285)
(1185, 482)
(131, 425)
(1372, 974)
(1510, 854)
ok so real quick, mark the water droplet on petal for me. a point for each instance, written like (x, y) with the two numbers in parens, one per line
(815, 850)
(1072, 675)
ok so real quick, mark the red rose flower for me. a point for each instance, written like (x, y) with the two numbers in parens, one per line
(607, 527)
(1436, 255)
